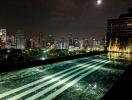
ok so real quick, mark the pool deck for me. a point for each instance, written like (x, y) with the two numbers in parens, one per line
(122, 89)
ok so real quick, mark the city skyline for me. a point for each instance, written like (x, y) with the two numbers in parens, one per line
(65, 49)
(59, 17)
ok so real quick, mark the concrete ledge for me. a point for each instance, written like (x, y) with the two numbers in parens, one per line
(22, 65)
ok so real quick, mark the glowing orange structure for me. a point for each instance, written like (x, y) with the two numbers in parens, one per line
(116, 47)
(119, 33)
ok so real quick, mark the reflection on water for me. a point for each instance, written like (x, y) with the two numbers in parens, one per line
(116, 56)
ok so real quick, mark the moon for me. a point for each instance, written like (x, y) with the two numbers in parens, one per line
(99, 2)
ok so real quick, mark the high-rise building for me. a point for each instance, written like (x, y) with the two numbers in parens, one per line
(61, 44)
(76, 44)
(81, 44)
(50, 43)
(119, 31)
(71, 42)
(28, 43)
(86, 43)
(2, 38)
(11, 41)
(40, 37)
(3, 35)
(20, 41)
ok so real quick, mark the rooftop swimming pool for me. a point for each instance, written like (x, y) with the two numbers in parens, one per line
(87, 78)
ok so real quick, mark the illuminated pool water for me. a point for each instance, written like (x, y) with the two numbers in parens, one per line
(86, 78)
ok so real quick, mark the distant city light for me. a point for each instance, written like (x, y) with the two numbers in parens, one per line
(0, 33)
(8, 51)
(42, 58)
(99, 2)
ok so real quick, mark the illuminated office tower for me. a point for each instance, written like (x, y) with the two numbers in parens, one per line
(50, 43)
(20, 41)
(2, 38)
(40, 38)
(81, 44)
(86, 43)
(76, 44)
(62, 44)
(71, 42)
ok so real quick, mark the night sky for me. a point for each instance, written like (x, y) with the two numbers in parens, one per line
(57, 17)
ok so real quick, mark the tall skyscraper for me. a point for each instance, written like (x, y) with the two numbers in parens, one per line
(40, 37)
(86, 43)
(81, 44)
(20, 41)
(71, 42)
(11, 41)
(119, 31)
(50, 42)
(62, 44)
(2, 38)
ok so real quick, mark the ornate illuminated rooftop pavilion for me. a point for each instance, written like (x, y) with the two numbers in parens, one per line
(119, 33)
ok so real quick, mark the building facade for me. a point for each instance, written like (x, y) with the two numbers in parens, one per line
(11, 42)
(119, 32)
(20, 41)
(2, 38)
